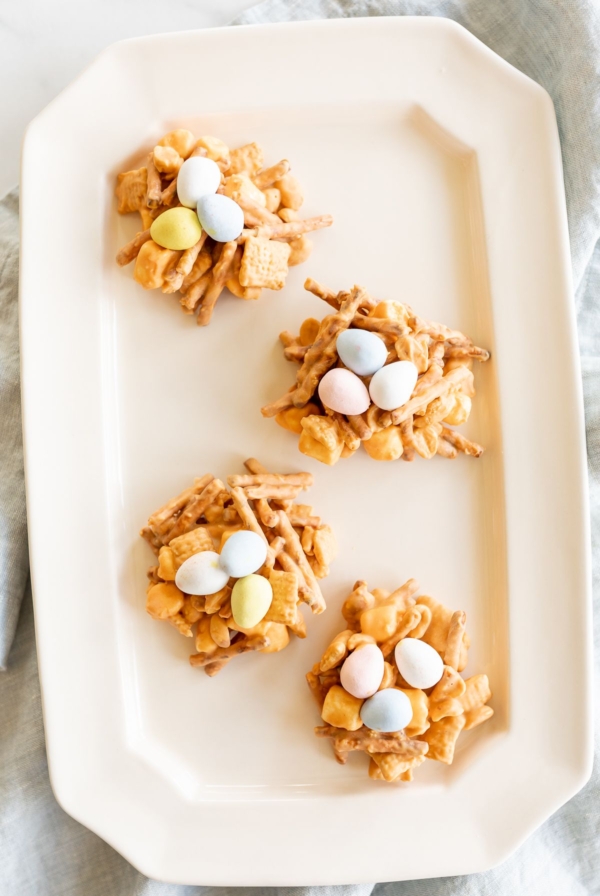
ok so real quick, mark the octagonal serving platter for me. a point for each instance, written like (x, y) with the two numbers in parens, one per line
(441, 165)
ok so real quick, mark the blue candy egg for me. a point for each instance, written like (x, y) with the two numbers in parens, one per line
(221, 217)
(361, 351)
(243, 553)
(387, 710)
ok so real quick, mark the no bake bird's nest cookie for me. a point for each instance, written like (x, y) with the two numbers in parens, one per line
(298, 546)
(424, 424)
(436, 715)
(274, 235)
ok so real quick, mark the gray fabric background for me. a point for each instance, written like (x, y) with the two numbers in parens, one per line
(46, 853)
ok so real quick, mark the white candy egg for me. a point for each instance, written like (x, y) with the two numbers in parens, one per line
(342, 391)
(362, 671)
(221, 217)
(197, 177)
(361, 351)
(243, 552)
(201, 574)
(387, 710)
(392, 386)
(419, 664)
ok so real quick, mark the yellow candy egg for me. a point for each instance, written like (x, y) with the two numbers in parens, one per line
(178, 228)
(250, 600)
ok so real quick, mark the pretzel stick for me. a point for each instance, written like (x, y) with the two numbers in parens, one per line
(131, 249)
(321, 292)
(302, 480)
(432, 375)
(372, 741)
(278, 492)
(380, 325)
(333, 299)
(239, 646)
(187, 261)
(159, 521)
(267, 515)
(256, 215)
(268, 176)
(191, 298)
(404, 592)
(318, 690)
(406, 431)
(299, 518)
(172, 279)
(456, 632)
(445, 449)
(419, 402)
(254, 466)
(286, 232)
(154, 187)
(169, 193)
(246, 513)
(294, 549)
(458, 351)
(219, 278)
(153, 540)
(289, 565)
(295, 352)
(202, 264)
(248, 518)
(282, 404)
(349, 436)
(360, 427)
(195, 509)
(287, 339)
(277, 545)
(438, 332)
(463, 444)
(322, 354)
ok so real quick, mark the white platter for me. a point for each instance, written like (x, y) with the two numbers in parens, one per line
(441, 165)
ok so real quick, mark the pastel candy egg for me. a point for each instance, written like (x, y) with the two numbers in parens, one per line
(201, 574)
(419, 664)
(243, 552)
(362, 671)
(197, 177)
(250, 600)
(392, 386)
(361, 351)
(221, 217)
(177, 228)
(342, 391)
(387, 710)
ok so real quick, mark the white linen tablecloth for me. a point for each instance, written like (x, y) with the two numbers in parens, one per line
(43, 852)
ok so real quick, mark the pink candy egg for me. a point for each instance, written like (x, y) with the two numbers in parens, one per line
(342, 391)
(362, 671)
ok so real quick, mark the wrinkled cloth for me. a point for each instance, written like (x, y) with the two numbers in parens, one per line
(46, 853)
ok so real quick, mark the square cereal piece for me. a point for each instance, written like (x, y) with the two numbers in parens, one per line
(191, 543)
(325, 546)
(320, 439)
(131, 190)
(248, 158)
(285, 597)
(152, 263)
(392, 765)
(264, 263)
(442, 736)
